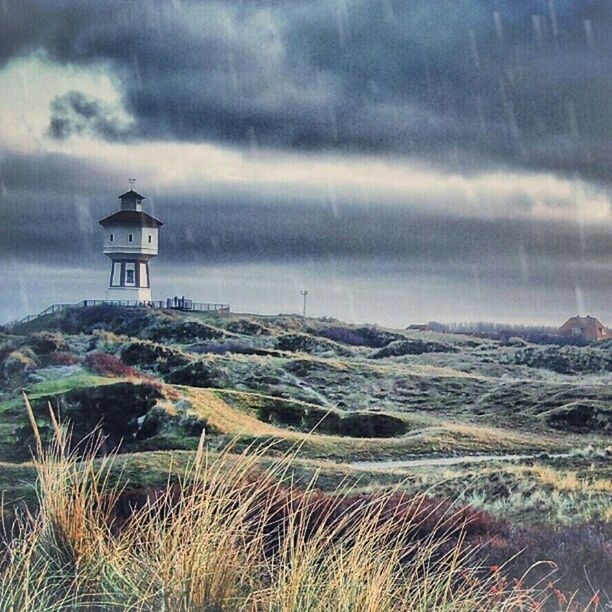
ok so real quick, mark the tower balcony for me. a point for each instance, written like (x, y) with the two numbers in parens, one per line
(117, 250)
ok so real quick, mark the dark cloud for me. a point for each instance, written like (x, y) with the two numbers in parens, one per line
(51, 204)
(49, 176)
(461, 82)
(74, 113)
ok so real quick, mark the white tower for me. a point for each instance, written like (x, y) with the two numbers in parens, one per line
(130, 242)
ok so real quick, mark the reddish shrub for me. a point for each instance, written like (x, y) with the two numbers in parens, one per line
(109, 365)
(105, 364)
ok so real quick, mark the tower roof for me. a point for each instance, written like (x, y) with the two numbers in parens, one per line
(131, 217)
(131, 195)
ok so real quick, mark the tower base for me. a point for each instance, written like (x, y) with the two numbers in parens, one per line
(133, 294)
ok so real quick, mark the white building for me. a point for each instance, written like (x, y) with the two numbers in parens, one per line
(131, 239)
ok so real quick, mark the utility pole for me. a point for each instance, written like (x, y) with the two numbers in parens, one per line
(304, 295)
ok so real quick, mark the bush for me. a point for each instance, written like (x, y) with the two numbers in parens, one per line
(46, 342)
(116, 408)
(183, 331)
(190, 425)
(153, 356)
(372, 337)
(152, 422)
(371, 425)
(236, 534)
(582, 417)
(309, 368)
(514, 341)
(331, 422)
(221, 348)
(247, 328)
(108, 365)
(567, 359)
(128, 321)
(340, 334)
(583, 554)
(308, 344)
(173, 428)
(18, 362)
(412, 347)
(196, 374)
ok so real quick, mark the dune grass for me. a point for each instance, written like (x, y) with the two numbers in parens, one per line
(231, 536)
(230, 412)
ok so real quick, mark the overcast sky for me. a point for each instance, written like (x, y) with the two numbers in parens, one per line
(407, 160)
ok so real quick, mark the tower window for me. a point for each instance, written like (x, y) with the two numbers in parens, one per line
(129, 277)
(112, 237)
(130, 237)
(150, 238)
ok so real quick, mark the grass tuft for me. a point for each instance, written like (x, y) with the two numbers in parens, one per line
(232, 535)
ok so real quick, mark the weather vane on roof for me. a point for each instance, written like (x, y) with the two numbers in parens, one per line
(131, 181)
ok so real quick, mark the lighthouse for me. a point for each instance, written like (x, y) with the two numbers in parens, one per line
(131, 239)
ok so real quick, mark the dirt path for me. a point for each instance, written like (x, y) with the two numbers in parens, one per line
(443, 461)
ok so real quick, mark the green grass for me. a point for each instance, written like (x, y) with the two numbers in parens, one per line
(13, 417)
(57, 386)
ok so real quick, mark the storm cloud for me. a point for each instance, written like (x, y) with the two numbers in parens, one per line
(463, 83)
(75, 113)
(259, 224)
(452, 152)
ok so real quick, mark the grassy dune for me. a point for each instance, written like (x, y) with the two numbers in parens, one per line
(296, 402)
(235, 536)
(234, 413)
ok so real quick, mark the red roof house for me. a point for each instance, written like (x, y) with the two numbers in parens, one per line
(584, 328)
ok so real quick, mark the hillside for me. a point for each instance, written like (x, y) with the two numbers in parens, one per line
(340, 394)
(515, 436)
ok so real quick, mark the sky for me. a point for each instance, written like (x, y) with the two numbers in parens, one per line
(403, 161)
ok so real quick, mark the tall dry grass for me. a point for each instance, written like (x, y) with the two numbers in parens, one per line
(232, 536)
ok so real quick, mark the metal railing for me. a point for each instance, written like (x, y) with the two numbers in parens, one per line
(182, 304)
(53, 309)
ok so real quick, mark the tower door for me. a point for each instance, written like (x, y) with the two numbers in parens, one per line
(130, 274)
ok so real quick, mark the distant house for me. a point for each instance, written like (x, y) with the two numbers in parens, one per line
(584, 328)
(419, 327)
